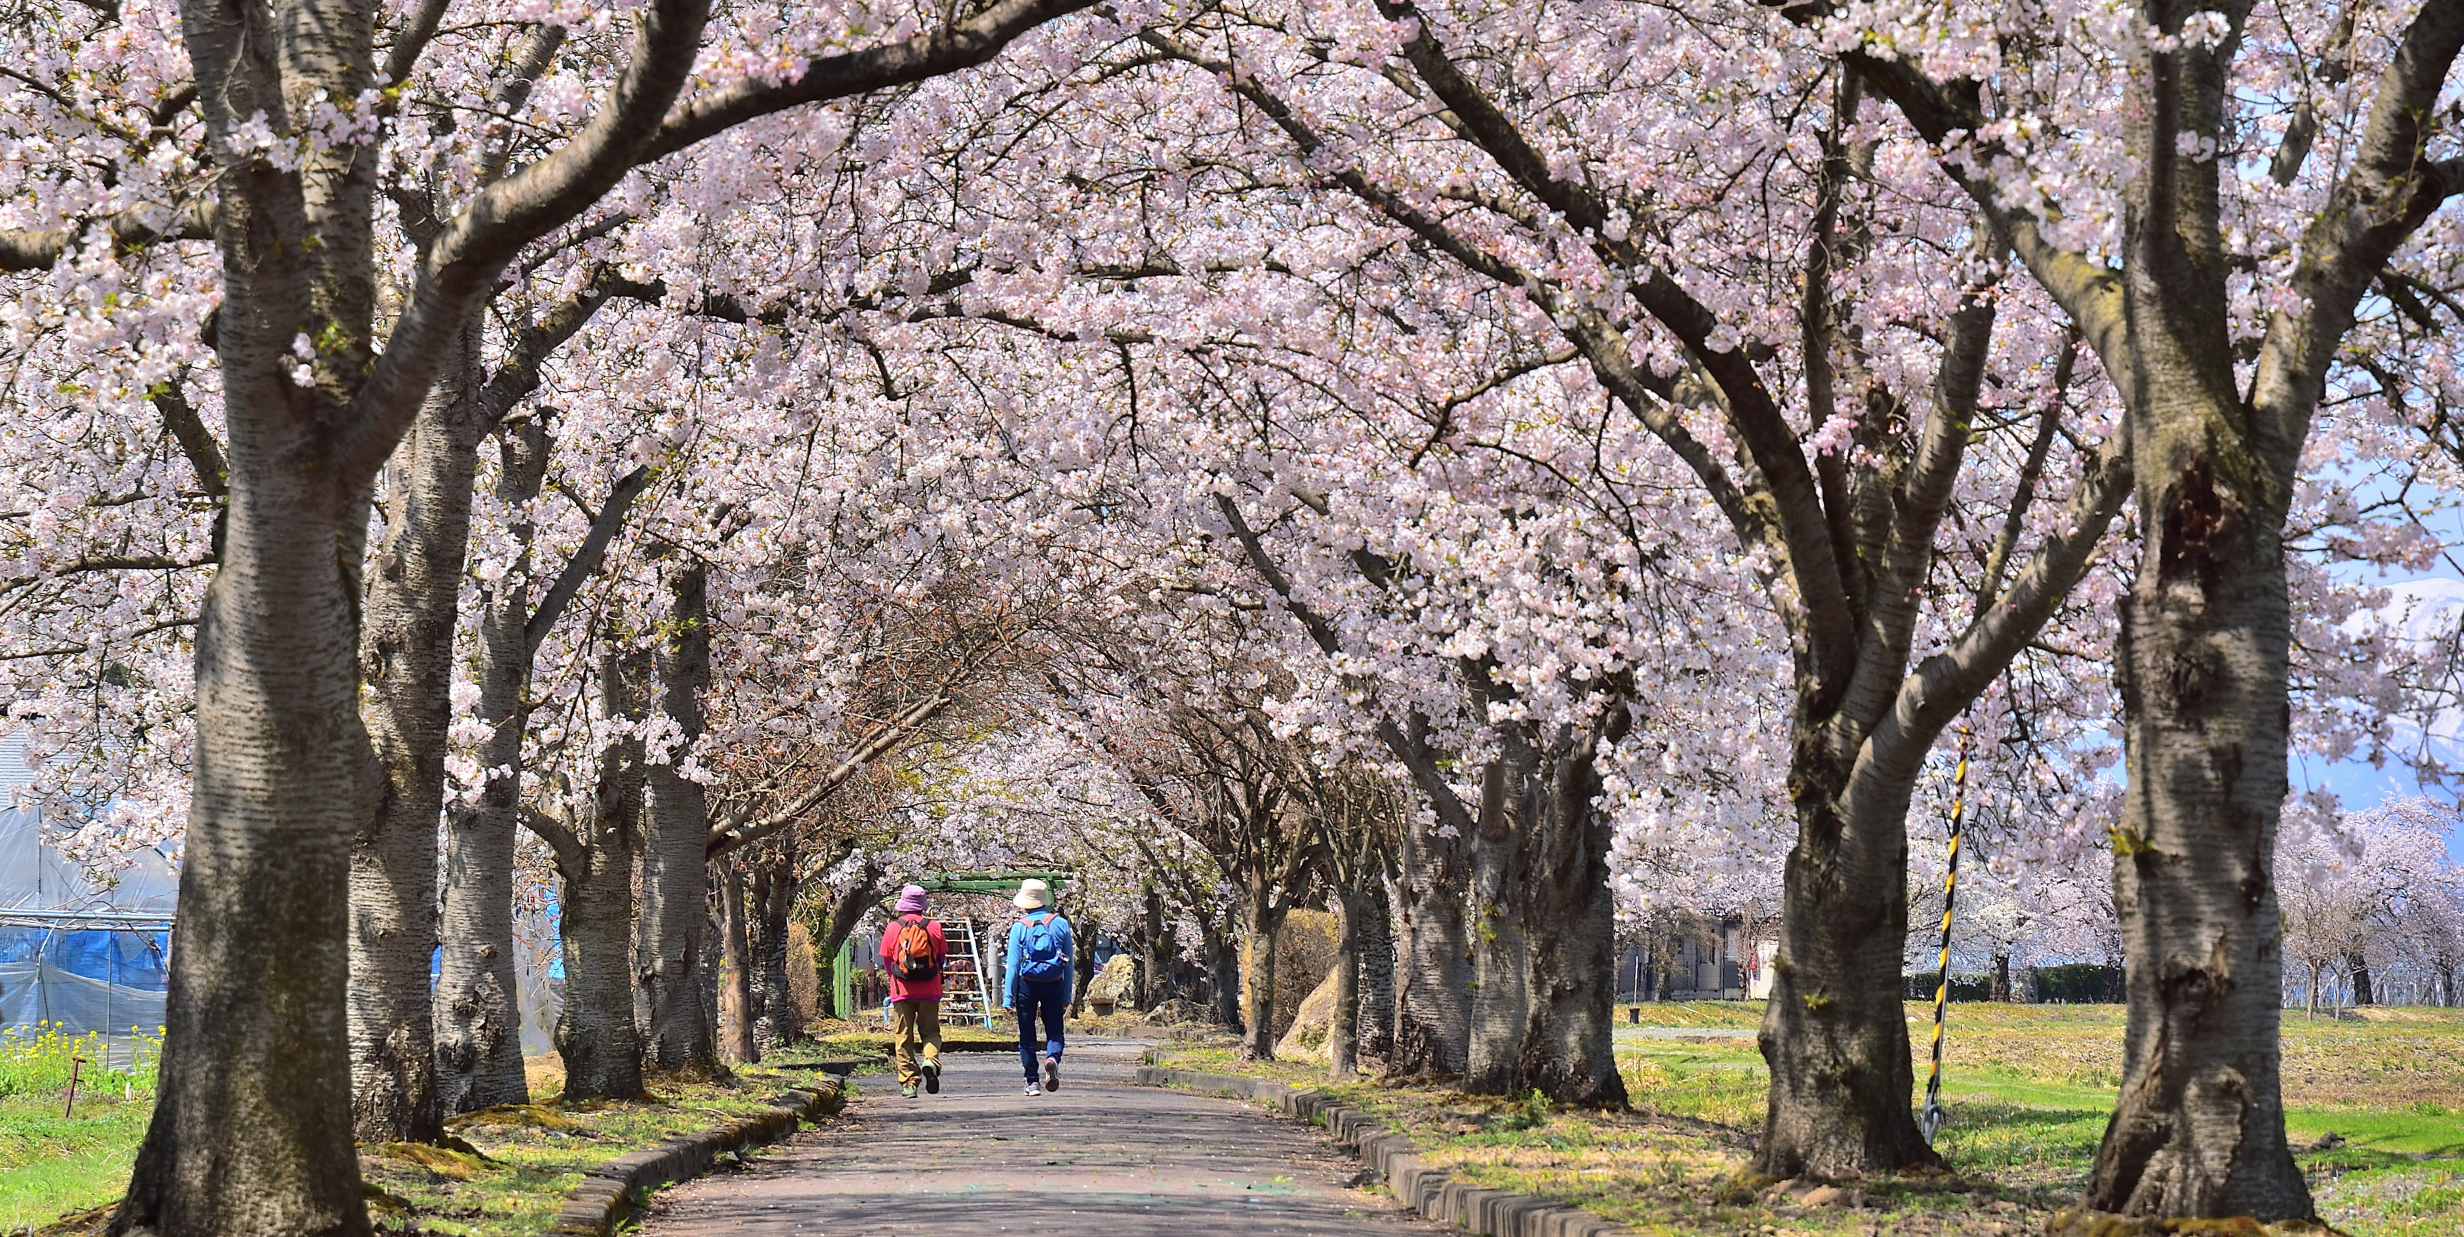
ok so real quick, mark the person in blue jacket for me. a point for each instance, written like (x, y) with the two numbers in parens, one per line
(1041, 964)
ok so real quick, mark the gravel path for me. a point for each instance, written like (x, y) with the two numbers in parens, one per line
(1100, 1158)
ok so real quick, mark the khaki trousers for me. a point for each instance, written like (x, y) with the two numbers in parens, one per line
(913, 1023)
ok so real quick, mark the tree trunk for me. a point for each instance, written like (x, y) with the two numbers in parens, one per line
(845, 913)
(1157, 952)
(1352, 911)
(736, 1045)
(251, 1130)
(1082, 964)
(675, 900)
(1568, 1053)
(1433, 966)
(769, 899)
(2363, 993)
(2199, 1127)
(1834, 1032)
(1377, 974)
(596, 1035)
(2002, 978)
(1500, 999)
(477, 1000)
(1261, 924)
(406, 651)
(1223, 966)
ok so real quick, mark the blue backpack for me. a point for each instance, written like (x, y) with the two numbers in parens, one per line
(1045, 952)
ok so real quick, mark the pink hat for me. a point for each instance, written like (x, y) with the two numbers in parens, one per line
(911, 900)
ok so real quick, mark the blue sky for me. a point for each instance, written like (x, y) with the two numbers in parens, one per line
(2426, 604)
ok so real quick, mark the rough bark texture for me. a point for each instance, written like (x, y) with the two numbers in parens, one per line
(281, 786)
(1834, 1032)
(1261, 923)
(2199, 1129)
(1082, 964)
(251, 1129)
(406, 649)
(1377, 974)
(735, 979)
(1352, 910)
(1157, 951)
(668, 947)
(478, 1006)
(1433, 962)
(1567, 1051)
(1223, 969)
(595, 1034)
(1500, 957)
(769, 897)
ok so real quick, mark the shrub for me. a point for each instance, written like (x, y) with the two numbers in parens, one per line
(2079, 983)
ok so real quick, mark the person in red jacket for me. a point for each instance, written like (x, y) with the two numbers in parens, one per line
(913, 951)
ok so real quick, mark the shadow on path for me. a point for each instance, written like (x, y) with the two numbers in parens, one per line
(1098, 1159)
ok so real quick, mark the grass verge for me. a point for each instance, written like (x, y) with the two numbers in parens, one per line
(2028, 1089)
(517, 1165)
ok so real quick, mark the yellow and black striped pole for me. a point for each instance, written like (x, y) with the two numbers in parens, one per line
(1931, 1118)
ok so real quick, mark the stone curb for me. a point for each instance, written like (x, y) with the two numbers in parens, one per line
(609, 1193)
(1491, 1213)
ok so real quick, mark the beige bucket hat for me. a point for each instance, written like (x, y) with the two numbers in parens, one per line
(1033, 895)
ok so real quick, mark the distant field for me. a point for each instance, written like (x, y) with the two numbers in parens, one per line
(2028, 1089)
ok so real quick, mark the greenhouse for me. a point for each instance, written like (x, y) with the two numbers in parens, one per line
(82, 955)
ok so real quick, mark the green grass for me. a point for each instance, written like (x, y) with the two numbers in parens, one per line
(535, 1156)
(50, 1165)
(528, 1159)
(52, 1161)
(2028, 1090)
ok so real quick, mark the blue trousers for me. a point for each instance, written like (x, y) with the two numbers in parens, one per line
(1050, 996)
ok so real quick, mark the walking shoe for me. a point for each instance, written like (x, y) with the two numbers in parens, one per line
(1033, 1089)
(1052, 1073)
(932, 1075)
(908, 1090)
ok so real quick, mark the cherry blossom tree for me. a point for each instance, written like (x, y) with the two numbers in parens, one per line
(2137, 232)
(291, 105)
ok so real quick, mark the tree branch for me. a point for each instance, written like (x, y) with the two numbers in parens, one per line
(562, 840)
(197, 442)
(962, 45)
(417, 30)
(1918, 508)
(2388, 191)
(519, 373)
(1415, 757)
(463, 263)
(745, 830)
(1948, 115)
(41, 249)
(1944, 683)
(585, 561)
(2031, 476)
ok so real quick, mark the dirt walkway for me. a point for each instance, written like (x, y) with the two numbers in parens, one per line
(1099, 1159)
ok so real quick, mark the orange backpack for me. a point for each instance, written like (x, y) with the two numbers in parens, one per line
(911, 957)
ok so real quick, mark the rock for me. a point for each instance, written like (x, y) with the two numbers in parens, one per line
(1118, 981)
(1176, 1011)
(2328, 1141)
(1824, 1196)
(1307, 1038)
